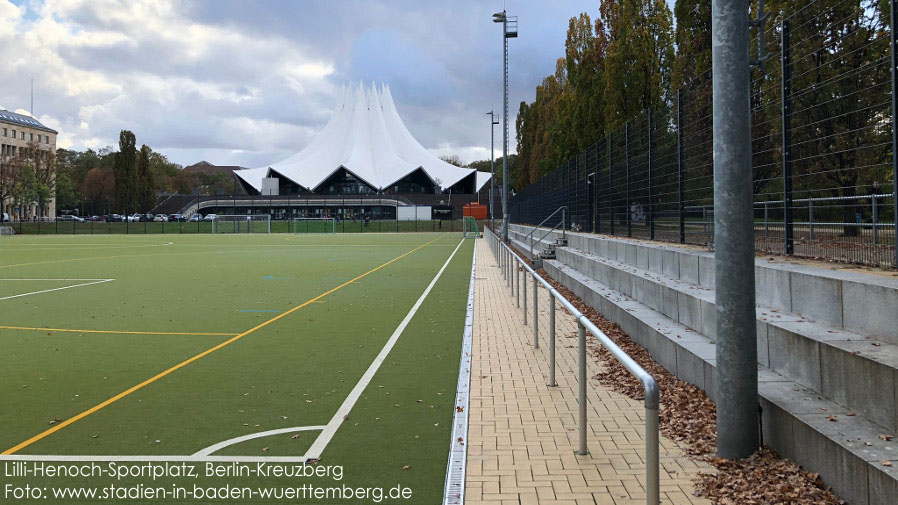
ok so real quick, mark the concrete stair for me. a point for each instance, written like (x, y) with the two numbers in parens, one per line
(814, 362)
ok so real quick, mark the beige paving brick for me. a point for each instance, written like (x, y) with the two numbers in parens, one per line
(523, 434)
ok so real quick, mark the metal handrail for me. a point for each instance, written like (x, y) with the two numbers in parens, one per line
(508, 260)
(563, 210)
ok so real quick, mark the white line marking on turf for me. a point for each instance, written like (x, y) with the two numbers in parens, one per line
(327, 434)
(208, 451)
(33, 279)
(100, 281)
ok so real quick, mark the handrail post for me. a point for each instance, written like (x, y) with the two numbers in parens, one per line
(552, 382)
(517, 284)
(652, 444)
(524, 282)
(581, 333)
(535, 313)
(509, 264)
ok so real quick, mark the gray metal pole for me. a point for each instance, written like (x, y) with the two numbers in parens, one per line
(737, 354)
(517, 284)
(581, 333)
(524, 284)
(893, 12)
(652, 463)
(493, 124)
(875, 220)
(535, 313)
(552, 382)
(505, 127)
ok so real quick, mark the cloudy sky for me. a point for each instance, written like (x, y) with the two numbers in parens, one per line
(247, 83)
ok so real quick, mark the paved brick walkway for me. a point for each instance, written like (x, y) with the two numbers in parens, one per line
(523, 434)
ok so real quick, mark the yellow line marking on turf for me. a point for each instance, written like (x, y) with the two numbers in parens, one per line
(186, 362)
(121, 332)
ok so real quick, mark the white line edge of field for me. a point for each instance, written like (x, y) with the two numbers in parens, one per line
(456, 466)
(97, 281)
(314, 452)
(327, 434)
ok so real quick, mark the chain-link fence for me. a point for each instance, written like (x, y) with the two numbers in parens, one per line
(822, 149)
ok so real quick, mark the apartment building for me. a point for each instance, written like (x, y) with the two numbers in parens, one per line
(24, 139)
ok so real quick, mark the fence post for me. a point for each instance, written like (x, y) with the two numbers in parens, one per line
(787, 140)
(595, 189)
(875, 220)
(651, 180)
(766, 221)
(627, 200)
(811, 217)
(610, 181)
(893, 10)
(680, 161)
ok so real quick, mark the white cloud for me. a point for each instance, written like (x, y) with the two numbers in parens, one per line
(146, 66)
(249, 83)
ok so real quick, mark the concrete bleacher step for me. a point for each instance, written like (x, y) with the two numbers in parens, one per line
(854, 370)
(822, 435)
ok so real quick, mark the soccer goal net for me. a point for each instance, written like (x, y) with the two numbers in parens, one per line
(469, 227)
(314, 225)
(255, 223)
(7, 230)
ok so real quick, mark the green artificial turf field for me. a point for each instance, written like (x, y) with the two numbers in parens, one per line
(159, 348)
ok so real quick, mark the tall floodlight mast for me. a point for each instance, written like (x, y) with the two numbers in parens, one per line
(509, 31)
(493, 123)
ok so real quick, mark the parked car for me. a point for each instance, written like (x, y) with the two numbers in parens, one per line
(160, 218)
(177, 217)
(95, 218)
(196, 218)
(136, 218)
(150, 217)
(210, 217)
(69, 217)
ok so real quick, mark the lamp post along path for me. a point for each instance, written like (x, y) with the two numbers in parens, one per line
(509, 31)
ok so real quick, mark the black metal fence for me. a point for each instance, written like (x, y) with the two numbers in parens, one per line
(822, 148)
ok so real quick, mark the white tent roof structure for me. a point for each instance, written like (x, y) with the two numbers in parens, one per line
(366, 137)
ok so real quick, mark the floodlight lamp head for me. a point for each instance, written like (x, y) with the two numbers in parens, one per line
(499, 17)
